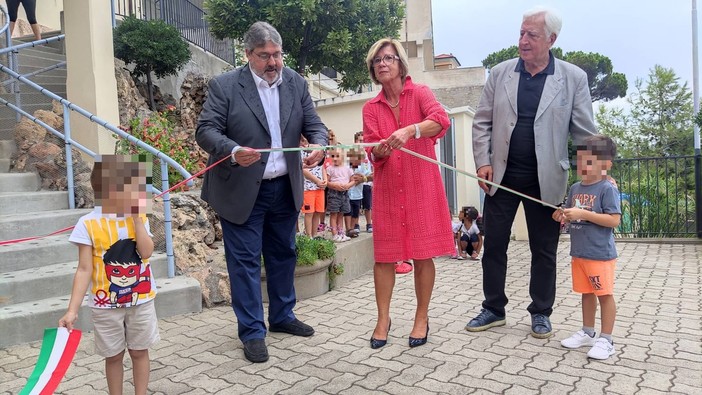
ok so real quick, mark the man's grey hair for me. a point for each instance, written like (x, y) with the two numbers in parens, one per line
(259, 33)
(553, 20)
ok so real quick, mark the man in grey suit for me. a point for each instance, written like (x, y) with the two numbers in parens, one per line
(258, 195)
(528, 109)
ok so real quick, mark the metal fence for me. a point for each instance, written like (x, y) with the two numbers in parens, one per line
(185, 15)
(657, 196)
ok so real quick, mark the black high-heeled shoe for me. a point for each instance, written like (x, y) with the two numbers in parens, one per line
(416, 342)
(377, 343)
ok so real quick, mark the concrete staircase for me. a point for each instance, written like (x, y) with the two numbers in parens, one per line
(36, 276)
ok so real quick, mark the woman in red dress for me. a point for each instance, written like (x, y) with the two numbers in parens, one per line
(411, 218)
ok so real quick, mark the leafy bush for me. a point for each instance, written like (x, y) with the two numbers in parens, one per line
(158, 132)
(310, 250)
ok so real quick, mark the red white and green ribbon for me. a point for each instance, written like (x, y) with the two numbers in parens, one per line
(57, 351)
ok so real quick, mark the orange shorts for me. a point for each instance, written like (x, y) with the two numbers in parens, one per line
(593, 277)
(313, 202)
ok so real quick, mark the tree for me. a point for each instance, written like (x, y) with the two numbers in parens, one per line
(315, 33)
(660, 120)
(153, 46)
(605, 84)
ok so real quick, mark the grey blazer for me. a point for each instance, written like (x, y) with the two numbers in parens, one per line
(565, 109)
(233, 115)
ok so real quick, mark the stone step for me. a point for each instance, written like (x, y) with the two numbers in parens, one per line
(36, 253)
(22, 202)
(19, 182)
(25, 322)
(7, 148)
(53, 280)
(16, 226)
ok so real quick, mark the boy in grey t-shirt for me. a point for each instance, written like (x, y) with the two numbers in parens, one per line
(593, 210)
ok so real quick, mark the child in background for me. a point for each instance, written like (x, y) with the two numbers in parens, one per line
(360, 174)
(327, 162)
(114, 245)
(469, 238)
(366, 168)
(339, 181)
(593, 210)
(315, 184)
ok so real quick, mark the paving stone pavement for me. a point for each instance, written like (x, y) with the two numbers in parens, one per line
(658, 336)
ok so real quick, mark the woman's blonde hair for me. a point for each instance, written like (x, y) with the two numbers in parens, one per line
(375, 48)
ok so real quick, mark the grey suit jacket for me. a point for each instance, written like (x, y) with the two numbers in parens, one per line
(233, 115)
(565, 109)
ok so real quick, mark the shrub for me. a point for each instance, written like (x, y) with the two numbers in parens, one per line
(310, 250)
(158, 132)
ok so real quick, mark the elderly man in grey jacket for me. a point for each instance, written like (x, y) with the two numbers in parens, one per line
(529, 108)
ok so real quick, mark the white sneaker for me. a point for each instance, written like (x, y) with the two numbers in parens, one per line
(579, 339)
(337, 239)
(601, 350)
(344, 238)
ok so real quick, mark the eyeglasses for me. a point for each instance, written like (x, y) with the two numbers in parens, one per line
(387, 59)
(266, 56)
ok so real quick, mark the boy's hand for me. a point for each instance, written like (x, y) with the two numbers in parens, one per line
(68, 320)
(322, 184)
(574, 214)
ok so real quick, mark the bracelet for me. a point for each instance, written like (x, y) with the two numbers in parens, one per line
(417, 132)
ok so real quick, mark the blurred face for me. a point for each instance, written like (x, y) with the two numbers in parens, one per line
(533, 42)
(266, 61)
(590, 168)
(337, 159)
(125, 187)
(386, 64)
(332, 137)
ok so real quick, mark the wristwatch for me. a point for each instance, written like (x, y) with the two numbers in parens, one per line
(417, 132)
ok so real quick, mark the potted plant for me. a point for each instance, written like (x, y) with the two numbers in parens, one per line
(315, 270)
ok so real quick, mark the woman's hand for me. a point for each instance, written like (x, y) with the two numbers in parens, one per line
(382, 150)
(400, 137)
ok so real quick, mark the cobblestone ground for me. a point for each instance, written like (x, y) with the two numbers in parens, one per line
(658, 336)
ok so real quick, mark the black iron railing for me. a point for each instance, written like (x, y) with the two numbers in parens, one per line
(657, 196)
(185, 15)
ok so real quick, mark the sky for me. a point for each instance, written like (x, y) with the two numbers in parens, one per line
(634, 34)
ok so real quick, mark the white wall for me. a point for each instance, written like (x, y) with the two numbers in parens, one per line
(201, 62)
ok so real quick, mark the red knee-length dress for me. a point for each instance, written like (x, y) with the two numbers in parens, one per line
(411, 218)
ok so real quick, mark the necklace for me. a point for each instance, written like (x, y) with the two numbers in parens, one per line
(395, 105)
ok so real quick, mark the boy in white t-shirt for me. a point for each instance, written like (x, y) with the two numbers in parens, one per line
(114, 245)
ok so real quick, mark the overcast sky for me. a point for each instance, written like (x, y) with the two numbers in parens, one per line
(634, 34)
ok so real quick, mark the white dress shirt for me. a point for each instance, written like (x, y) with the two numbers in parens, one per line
(276, 165)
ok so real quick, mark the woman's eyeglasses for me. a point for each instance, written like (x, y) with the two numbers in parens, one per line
(387, 59)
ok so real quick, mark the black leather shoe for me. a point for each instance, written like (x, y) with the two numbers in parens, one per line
(255, 350)
(377, 343)
(416, 342)
(294, 327)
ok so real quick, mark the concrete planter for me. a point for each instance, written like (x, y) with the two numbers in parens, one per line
(310, 281)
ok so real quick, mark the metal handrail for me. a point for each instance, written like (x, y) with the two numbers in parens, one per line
(164, 159)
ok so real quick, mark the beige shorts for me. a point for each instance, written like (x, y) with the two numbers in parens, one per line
(134, 328)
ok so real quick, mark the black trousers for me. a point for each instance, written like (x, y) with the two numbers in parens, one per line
(499, 212)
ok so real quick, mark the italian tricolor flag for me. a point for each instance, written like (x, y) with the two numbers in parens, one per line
(57, 351)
